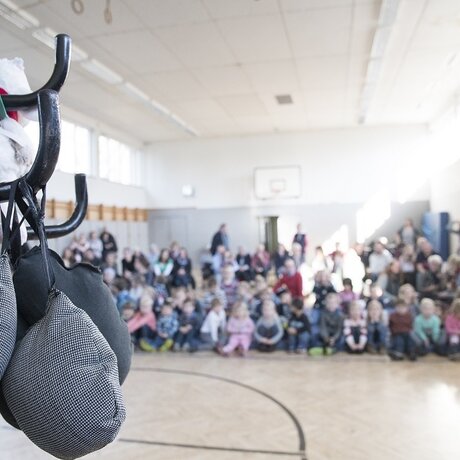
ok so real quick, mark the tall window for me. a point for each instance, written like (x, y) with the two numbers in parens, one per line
(116, 161)
(75, 155)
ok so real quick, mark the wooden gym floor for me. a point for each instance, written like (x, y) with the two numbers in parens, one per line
(280, 407)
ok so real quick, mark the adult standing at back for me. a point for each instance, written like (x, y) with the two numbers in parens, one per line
(409, 233)
(220, 238)
(301, 238)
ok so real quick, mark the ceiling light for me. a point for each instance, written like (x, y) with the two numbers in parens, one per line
(78, 54)
(373, 70)
(182, 124)
(388, 12)
(17, 16)
(134, 91)
(47, 36)
(387, 17)
(101, 71)
(380, 41)
(163, 111)
(159, 108)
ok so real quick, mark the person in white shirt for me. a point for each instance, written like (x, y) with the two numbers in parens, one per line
(213, 327)
(379, 260)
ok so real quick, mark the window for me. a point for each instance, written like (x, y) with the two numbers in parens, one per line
(118, 162)
(75, 152)
(75, 155)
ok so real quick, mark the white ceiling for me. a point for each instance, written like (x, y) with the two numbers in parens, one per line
(218, 64)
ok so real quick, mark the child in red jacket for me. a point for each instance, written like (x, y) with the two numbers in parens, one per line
(291, 280)
(401, 324)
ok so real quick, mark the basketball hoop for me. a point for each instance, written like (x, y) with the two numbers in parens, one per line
(277, 186)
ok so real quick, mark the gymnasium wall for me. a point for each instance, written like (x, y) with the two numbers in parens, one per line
(341, 171)
(195, 227)
(337, 166)
(100, 191)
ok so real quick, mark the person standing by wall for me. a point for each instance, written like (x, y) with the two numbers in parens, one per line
(220, 238)
(301, 238)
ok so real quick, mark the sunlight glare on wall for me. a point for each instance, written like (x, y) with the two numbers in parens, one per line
(372, 215)
(432, 155)
(340, 236)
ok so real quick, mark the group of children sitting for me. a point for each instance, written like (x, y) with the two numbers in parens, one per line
(235, 317)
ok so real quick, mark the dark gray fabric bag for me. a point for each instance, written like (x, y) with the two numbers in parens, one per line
(62, 384)
(84, 286)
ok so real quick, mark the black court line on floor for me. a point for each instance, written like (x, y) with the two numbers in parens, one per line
(217, 448)
(301, 452)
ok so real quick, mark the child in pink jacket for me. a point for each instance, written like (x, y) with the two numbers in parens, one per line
(240, 329)
(142, 325)
(452, 325)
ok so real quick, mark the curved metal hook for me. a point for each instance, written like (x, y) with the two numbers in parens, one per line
(48, 147)
(57, 79)
(77, 217)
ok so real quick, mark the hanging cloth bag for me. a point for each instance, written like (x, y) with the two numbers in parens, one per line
(62, 384)
(8, 310)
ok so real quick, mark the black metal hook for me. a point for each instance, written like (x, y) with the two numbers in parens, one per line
(77, 217)
(48, 147)
(57, 79)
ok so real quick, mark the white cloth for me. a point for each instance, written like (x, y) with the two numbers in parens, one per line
(212, 323)
(379, 262)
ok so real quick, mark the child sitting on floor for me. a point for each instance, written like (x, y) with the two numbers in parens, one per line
(128, 310)
(229, 286)
(212, 291)
(427, 328)
(298, 328)
(213, 328)
(331, 327)
(244, 293)
(408, 294)
(347, 295)
(283, 308)
(354, 329)
(377, 331)
(452, 325)
(189, 324)
(240, 329)
(269, 329)
(142, 325)
(322, 288)
(402, 342)
(161, 290)
(167, 327)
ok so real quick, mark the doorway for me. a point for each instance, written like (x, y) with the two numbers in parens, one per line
(268, 232)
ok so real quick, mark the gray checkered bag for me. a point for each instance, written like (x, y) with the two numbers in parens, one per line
(62, 383)
(8, 313)
(8, 309)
